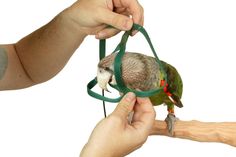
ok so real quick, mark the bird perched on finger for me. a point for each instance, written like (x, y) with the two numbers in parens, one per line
(142, 72)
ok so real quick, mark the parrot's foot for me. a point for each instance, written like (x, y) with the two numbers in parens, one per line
(170, 121)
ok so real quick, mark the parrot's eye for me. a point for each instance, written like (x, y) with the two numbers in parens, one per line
(107, 69)
(110, 80)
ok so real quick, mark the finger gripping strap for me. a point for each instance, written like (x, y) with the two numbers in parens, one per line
(121, 87)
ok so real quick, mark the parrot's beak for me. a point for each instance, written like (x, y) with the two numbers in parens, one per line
(103, 78)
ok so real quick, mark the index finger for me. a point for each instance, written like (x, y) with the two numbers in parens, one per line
(145, 104)
(144, 115)
(144, 110)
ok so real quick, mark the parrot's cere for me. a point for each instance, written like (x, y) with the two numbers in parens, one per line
(141, 72)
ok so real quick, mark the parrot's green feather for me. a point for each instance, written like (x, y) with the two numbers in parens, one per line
(175, 87)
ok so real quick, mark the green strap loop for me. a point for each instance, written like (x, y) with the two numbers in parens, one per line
(120, 49)
(93, 83)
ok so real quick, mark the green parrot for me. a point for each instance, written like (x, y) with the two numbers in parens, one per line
(141, 72)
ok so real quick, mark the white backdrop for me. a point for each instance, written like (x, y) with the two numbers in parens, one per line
(56, 118)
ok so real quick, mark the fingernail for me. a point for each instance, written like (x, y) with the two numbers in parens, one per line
(130, 97)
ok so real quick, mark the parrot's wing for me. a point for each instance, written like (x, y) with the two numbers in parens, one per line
(175, 84)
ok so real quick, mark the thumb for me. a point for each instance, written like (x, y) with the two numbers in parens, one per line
(118, 21)
(125, 106)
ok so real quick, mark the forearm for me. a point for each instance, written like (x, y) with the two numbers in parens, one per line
(223, 132)
(45, 52)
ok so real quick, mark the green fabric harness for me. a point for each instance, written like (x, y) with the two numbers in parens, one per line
(121, 87)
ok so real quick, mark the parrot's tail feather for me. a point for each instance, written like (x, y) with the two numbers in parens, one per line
(179, 104)
(176, 101)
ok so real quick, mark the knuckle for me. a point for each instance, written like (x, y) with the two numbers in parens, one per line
(115, 20)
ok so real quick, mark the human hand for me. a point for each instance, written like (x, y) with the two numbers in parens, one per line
(114, 136)
(93, 16)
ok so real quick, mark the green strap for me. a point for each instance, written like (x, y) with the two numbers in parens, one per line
(121, 47)
(118, 61)
(102, 49)
(91, 84)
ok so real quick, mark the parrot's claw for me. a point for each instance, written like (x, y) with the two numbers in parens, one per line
(170, 121)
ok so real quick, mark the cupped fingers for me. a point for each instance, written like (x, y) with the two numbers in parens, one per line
(136, 10)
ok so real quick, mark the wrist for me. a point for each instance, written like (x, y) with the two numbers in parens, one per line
(71, 26)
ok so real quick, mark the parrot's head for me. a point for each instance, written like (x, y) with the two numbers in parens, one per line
(133, 70)
(105, 72)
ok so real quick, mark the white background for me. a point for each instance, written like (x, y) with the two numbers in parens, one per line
(55, 119)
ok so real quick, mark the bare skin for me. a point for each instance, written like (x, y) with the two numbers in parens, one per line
(122, 137)
(41, 55)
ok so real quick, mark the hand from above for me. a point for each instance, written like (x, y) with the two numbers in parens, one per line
(93, 16)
